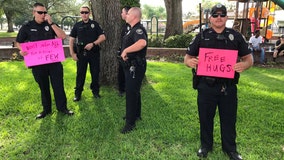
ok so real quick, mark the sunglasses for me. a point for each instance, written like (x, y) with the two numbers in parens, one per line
(215, 15)
(41, 12)
(84, 12)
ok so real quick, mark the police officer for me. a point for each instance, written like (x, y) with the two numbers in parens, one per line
(42, 28)
(134, 47)
(120, 76)
(89, 35)
(216, 91)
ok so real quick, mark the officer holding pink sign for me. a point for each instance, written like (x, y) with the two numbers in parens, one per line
(213, 55)
(39, 29)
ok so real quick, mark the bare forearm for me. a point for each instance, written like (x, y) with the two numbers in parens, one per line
(100, 39)
(136, 46)
(59, 32)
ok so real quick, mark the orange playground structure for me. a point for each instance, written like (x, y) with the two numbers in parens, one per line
(248, 16)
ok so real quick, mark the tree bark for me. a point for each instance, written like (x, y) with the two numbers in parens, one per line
(107, 14)
(174, 18)
(9, 17)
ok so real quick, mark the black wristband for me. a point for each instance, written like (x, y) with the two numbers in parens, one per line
(52, 23)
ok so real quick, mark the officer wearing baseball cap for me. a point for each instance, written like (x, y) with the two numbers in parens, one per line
(218, 7)
(214, 90)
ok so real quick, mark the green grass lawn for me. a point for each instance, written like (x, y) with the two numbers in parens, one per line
(169, 129)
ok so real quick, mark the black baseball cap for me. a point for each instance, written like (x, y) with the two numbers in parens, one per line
(218, 7)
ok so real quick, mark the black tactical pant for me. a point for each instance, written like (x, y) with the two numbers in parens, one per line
(209, 97)
(54, 73)
(133, 82)
(121, 79)
(93, 59)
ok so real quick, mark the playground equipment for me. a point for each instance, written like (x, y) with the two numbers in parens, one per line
(190, 25)
(249, 15)
(255, 15)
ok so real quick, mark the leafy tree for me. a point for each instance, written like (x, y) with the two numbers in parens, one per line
(110, 20)
(11, 8)
(18, 11)
(2, 19)
(150, 11)
(130, 3)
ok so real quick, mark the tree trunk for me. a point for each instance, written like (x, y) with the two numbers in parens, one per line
(9, 17)
(174, 18)
(107, 14)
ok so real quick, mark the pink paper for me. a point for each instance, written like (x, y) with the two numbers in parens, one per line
(43, 52)
(217, 62)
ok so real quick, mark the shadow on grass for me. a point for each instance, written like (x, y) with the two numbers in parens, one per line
(93, 132)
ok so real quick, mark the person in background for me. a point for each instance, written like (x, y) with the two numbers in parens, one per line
(86, 51)
(42, 28)
(218, 91)
(120, 76)
(279, 48)
(255, 42)
(133, 52)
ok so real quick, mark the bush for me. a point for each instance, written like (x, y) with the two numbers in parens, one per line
(178, 41)
(155, 40)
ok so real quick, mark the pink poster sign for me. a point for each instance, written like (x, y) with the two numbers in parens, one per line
(217, 62)
(43, 52)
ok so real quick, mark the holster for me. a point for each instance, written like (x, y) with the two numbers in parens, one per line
(123, 63)
(80, 47)
(195, 79)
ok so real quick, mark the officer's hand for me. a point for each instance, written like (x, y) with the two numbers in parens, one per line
(89, 46)
(23, 53)
(190, 61)
(74, 57)
(240, 66)
(47, 18)
(124, 55)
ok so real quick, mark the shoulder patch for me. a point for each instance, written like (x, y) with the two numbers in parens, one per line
(46, 28)
(231, 37)
(139, 31)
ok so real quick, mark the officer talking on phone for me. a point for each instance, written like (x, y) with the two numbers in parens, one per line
(42, 28)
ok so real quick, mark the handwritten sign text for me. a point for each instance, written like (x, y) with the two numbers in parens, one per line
(217, 62)
(43, 52)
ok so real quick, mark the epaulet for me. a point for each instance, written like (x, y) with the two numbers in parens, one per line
(229, 29)
(206, 30)
(27, 23)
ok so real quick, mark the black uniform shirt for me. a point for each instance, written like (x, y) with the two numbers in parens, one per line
(132, 36)
(32, 31)
(86, 32)
(229, 39)
(124, 30)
